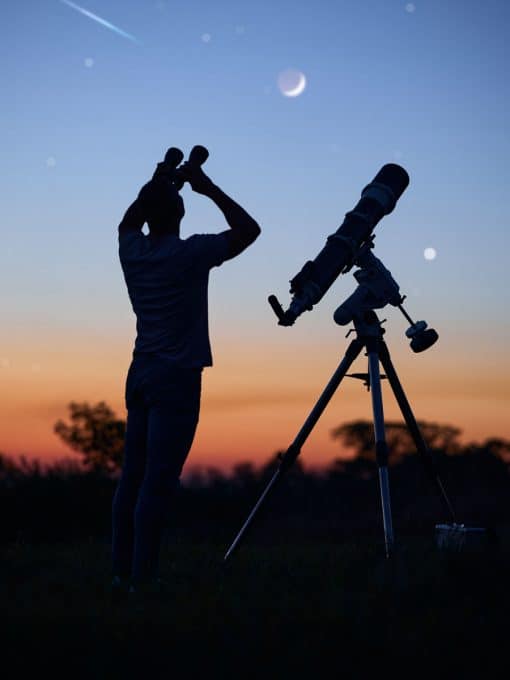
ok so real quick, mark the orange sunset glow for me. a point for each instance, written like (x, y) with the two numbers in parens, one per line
(254, 399)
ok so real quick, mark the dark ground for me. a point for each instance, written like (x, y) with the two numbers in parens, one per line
(309, 593)
(298, 610)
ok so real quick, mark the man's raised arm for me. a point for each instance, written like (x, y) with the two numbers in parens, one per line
(243, 228)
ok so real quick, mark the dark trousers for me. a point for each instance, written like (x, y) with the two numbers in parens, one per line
(163, 404)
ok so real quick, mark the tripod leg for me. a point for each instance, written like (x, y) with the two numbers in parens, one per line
(412, 425)
(295, 448)
(381, 448)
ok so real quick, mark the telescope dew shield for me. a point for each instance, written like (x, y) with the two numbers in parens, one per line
(378, 198)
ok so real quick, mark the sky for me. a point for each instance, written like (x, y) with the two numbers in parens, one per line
(92, 96)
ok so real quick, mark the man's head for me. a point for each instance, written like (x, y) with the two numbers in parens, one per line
(163, 206)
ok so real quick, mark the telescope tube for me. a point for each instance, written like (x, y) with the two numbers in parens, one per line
(378, 198)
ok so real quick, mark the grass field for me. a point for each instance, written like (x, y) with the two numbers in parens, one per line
(291, 610)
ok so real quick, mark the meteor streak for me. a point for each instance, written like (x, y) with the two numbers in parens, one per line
(103, 22)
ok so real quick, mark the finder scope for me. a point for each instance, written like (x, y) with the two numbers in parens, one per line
(339, 254)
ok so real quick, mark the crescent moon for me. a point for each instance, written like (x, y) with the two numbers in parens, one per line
(287, 80)
(299, 87)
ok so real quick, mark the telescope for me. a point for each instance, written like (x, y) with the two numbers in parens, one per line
(351, 245)
(342, 248)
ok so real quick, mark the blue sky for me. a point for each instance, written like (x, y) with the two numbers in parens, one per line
(88, 113)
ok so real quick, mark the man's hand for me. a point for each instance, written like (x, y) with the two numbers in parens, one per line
(198, 180)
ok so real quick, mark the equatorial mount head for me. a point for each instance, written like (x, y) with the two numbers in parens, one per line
(376, 289)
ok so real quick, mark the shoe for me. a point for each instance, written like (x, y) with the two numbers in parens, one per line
(119, 589)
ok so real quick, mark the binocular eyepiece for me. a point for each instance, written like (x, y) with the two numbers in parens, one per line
(174, 157)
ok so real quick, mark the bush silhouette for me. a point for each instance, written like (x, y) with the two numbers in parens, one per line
(97, 434)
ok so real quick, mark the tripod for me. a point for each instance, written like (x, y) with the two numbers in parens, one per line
(369, 335)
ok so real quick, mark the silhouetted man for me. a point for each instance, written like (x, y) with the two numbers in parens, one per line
(167, 281)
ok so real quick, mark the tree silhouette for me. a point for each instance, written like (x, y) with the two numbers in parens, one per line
(11, 469)
(499, 447)
(359, 435)
(97, 434)
(8, 467)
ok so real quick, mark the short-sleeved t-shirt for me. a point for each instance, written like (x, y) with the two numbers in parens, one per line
(167, 281)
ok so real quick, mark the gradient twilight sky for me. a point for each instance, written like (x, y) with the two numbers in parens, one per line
(87, 112)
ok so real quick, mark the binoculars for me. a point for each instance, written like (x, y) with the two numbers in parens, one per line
(169, 167)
